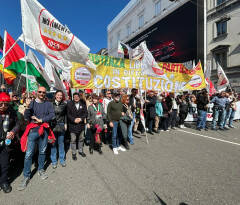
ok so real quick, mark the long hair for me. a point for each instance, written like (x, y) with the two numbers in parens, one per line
(59, 91)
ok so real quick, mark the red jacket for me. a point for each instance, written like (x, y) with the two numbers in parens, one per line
(42, 126)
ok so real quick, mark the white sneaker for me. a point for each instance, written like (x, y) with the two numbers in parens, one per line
(181, 126)
(115, 151)
(121, 149)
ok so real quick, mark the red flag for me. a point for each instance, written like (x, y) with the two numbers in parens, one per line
(212, 90)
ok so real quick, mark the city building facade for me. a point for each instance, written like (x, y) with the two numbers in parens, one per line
(223, 39)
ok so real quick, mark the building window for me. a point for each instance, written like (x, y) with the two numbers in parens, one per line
(221, 58)
(221, 28)
(157, 8)
(220, 2)
(128, 29)
(141, 21)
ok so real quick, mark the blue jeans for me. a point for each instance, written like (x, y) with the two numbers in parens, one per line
(60, 141)
(232, 118)
(115, 135)
(33, 138)
(130, 129)
(221, 114)
(229, 117)
(202, 118)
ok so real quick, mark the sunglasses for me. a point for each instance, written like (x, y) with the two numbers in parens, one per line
(108, 93)
(4, 104)
(41, 92)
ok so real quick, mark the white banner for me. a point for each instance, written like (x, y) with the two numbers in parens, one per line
(193, 114)
(237, 114)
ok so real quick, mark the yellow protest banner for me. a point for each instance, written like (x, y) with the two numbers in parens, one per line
(113, 73)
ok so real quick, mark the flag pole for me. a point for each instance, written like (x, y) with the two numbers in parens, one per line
(26, 67)
(19, 83)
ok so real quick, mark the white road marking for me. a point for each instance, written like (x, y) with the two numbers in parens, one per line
(212, 138)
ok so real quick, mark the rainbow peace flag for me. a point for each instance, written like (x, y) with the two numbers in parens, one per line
(9, 75)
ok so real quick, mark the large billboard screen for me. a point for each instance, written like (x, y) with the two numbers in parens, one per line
(174, 38)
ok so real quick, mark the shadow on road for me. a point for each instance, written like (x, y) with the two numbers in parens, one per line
(159, 199)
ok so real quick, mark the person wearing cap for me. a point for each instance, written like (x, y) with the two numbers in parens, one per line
(114, 113)
(96, 123)
(9, 127)
(77, 115)
(39, 114)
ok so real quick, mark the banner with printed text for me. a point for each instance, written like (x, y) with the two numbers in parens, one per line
(113, 73)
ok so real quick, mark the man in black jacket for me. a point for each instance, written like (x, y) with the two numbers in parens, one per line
(9, 126)
(77, 115)
(202, 101)
(150, 110)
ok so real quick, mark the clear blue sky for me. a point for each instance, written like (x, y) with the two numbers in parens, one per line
(87, 19)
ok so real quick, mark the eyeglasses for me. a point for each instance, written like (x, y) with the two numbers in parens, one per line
(4, 104)
(41, 92)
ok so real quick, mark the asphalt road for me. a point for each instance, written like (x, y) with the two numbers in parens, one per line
(176, 168)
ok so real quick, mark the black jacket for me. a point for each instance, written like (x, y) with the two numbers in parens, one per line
(202, 101)
(60, 119)
(151, 107)
(183, 106)
(169, 102)
(60, 112)
(131, 103)
(73, 113)
(13, 123)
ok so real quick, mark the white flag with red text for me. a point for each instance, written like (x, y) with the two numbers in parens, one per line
(44, 33)
(223, 81)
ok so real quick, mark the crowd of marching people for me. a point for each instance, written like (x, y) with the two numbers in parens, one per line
(35, 125)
